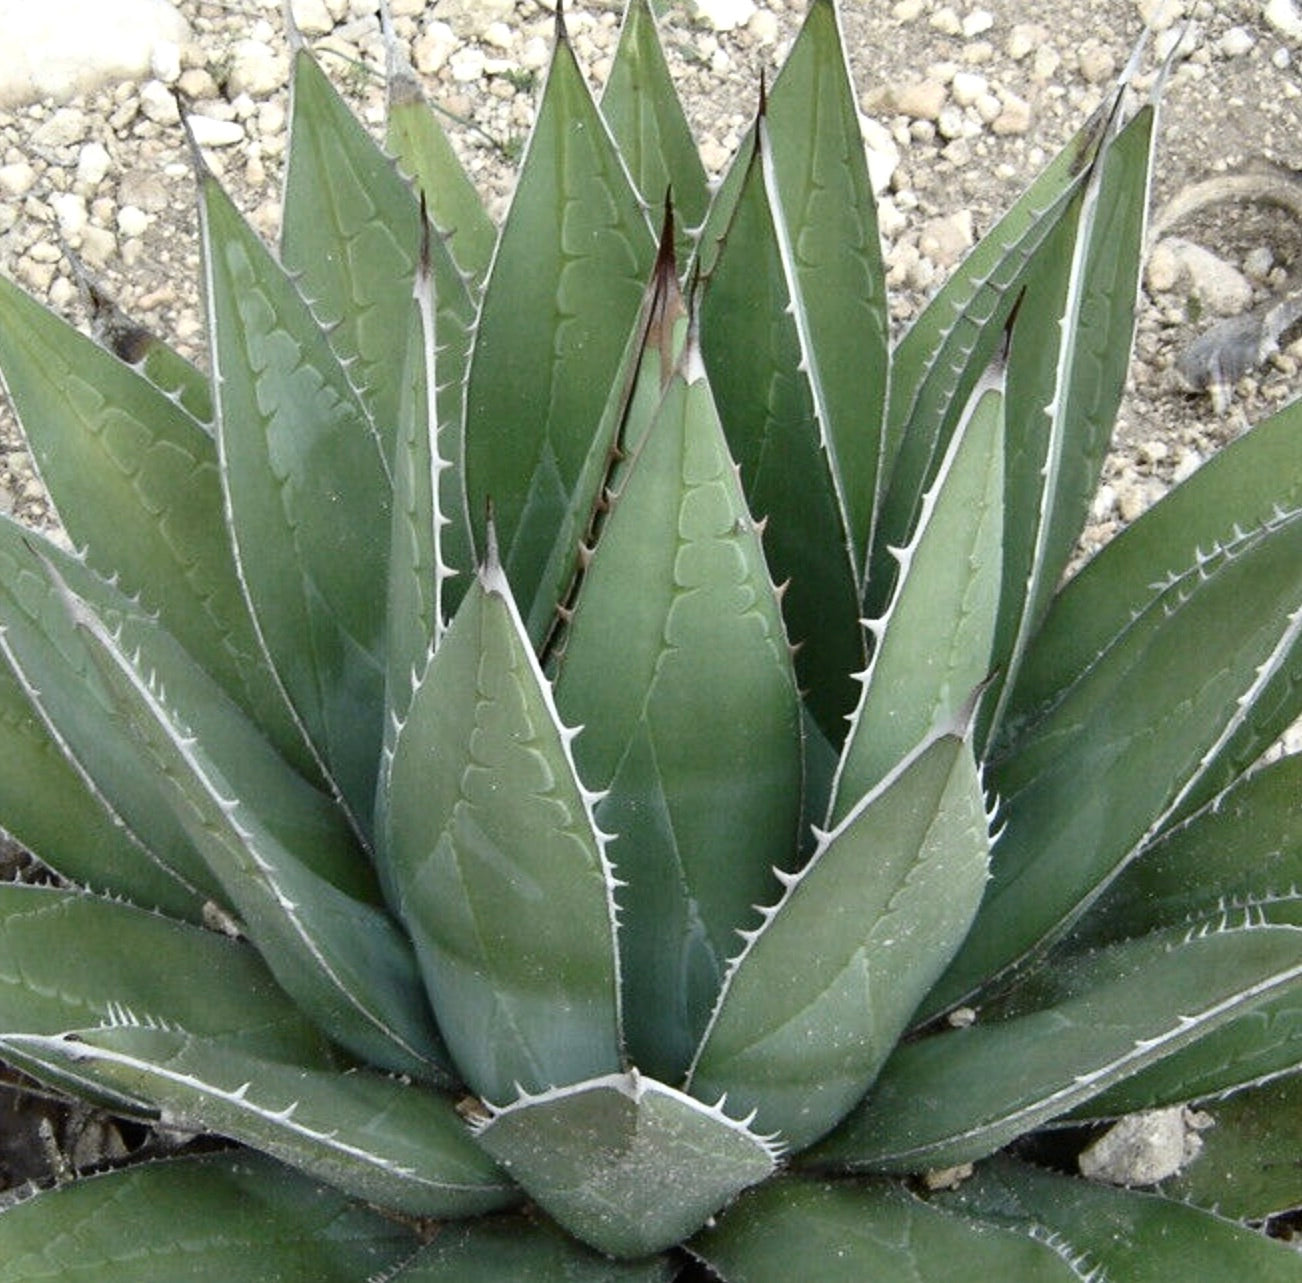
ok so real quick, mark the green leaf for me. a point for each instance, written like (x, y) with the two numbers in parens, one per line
(169, 1020)
(832, 251)
(652, 355)
(932, 648)
(1241, 852)
(493, 1249)
(1253, 1049)
(189, 1220)
(54, 668)
(1216, 651)
(48, 810)
(799, 1033)
(281, 852)
(756, 341)
(1241, 857)
(794, 1228)
(1076, 1028)
(1063, 396)
(1248, 1167)
(626, 1164)
(561, 299)
(379, 1138)
(430, 537)
(1242, 487)
(135, 480)
(308, 492)
(1118, 1234)
(487, 827)
(350, 233)
(645, 116)
(677, 619)
(417, 142)
(938, 361)
(73, 960)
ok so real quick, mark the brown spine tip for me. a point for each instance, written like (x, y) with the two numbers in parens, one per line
(425, 262)
(667, 305)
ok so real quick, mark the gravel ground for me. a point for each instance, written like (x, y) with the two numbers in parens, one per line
(968, 103)
(965, 103)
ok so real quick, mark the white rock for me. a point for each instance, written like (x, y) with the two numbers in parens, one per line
(132, 220)
(467, 65)
(271, 118)
(764, 27)
(158, 104)
(57, 48)
(17, 179)
(1283, 15)
(1014, 117)
(468, 17)
(256, 69)
(70, 209)
(536, 53)
(977, 23)
(93, 164)
(165, 61)
(946, 21)
(499, 35)
(945, 240)
(725, 15)
(68, 125)
(313, 17)
(210, 132)
(1158, 15)
(967, 87)
(1142, 1149)
(1176, 263)
(882, 153)
(435, 46)
(1235, 42)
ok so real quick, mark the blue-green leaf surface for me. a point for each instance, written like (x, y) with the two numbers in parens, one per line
(189, 1026)
(1215, 654)
(191, 1220)
(796, 1228)
(79, 719)
(50, 811)
(561, 300)
(281, 852)
(1063, 397)
(499, 871)
(1242, 487)
(677, 665)
(350, 233)
(134, 478)
(642, 108)
(625, 1163)
(308, 492)
(1248, 1166)
(1120, 1234)
(932, 648)
(1076, 1028)
(832, 252)
(818, 998)
(651, 357)
(939, 359)
(756, 339)
(421, 148)
(491, 1249)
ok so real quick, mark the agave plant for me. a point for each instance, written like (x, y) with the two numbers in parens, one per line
(482, 646)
